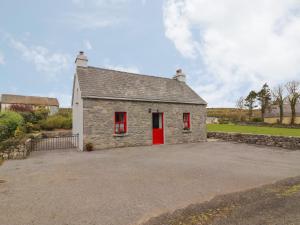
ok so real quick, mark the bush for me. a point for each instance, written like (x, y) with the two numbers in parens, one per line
(41, 113)
(29, 117)
(9, 121)
(224, 121)
(20, 132)
(257, 120)
(89, 147)
(65, 112)
(56, 122)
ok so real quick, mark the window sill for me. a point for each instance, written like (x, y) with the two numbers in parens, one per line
(186, 131)
(120, 135)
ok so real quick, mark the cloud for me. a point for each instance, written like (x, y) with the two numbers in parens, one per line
(2, 60)
(239, 44)
(88, 20)
(95, 14)
(130, 69)
(42, 58)
(88, 45)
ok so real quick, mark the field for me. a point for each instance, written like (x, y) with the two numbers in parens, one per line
(253, 129)
(232, 113)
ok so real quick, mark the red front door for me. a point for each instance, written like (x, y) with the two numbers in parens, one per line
(157, 128)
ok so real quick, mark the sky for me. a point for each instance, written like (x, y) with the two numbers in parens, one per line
(225, 47)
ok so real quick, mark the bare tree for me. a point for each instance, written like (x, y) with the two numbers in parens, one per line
(278, 95)
(293, 97)
(240, 105)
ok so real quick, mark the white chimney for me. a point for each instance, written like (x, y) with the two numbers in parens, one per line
(81, 60)
(180, 76)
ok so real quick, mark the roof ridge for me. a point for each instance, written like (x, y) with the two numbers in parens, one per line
(130, 73)
(31, 96)
(102, 83)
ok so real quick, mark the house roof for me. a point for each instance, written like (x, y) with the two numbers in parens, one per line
(111, 84)
(274, 111)
(28, 100)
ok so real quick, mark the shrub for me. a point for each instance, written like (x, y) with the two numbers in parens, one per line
(257, 120)
(30, 127)
(20, 132)
(9, 121)
(29, 117)
(224, 121)
(41, 113)
(89, 147)
(65, 112)
(56, 122)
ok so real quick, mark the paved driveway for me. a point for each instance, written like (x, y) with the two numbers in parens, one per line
(129, 185)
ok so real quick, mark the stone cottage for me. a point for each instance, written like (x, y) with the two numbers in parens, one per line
(117, 109)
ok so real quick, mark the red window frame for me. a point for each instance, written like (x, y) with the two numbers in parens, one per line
(120, 126)
(186, 121)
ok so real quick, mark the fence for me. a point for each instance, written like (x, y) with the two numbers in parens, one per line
(53, 143)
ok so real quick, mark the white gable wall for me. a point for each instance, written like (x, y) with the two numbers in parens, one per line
(77, 112)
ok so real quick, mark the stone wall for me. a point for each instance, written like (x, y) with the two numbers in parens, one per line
(17, 152)
(56, 133)
(98, 117)
(267, 140)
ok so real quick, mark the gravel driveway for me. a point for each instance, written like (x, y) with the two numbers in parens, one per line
(129, 185)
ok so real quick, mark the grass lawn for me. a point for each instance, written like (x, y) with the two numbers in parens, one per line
(253, 129)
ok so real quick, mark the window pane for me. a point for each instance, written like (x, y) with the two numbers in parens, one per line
(119, 117)
(160, 120)
(157, 120)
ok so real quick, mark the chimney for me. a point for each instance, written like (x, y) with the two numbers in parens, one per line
(81, 60)
(180, 76)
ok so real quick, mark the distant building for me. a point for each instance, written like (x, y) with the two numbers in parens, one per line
(8, 100)
(272, 114)
(118, 109)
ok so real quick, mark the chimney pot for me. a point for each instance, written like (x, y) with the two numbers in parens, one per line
(180, 76)
(81, 60)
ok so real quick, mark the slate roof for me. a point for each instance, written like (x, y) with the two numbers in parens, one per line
(110, 84)
(28, 100)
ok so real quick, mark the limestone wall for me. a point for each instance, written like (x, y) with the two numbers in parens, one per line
(267, 140)
(17, 152)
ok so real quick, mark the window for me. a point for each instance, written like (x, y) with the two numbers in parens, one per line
(120, 122)
(186, 121)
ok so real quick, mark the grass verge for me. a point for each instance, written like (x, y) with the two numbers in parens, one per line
(253, 129)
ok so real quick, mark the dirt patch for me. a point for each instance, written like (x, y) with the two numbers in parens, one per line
(275, 204)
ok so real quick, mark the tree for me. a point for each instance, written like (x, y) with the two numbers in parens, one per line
(278, 95)
(240, 105)
(250, 102)
(264, 98)
(293, 97)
